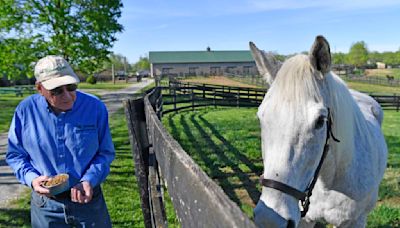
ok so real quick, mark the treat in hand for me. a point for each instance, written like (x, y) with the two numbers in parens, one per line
(57, 184)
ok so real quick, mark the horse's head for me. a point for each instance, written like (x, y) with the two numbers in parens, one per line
(294, 127)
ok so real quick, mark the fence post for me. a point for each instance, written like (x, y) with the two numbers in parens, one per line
(174, 99)
(238, 98)
(159, 219)
(204, 91)
(215, 99)
(134, 111)
(192, 98)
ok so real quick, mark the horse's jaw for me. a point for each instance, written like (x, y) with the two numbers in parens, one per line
(266, 217)
(276, 209)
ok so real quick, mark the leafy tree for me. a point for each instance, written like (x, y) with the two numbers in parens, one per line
(142, 64)
(18, 55)
(118, 60)
(389, 58)
(358, 54)
(82, 31)
(339, 58)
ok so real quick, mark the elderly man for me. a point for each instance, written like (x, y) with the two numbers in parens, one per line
(61, 130)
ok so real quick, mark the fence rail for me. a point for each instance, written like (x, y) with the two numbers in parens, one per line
(180, 96)
(387, 101)
(372, 80)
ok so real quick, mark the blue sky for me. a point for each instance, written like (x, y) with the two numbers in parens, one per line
(282, 26)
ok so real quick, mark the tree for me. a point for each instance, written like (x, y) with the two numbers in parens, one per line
(82, 31)
(339, 58)
(142, 64)
(17, 56)
(358, 54)
(119, 61)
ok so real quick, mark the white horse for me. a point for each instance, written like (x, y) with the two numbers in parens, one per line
(317, 137)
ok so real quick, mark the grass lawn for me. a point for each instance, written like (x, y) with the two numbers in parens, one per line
(121, 189)
(372, 88)
(383, 72)
(8, 102)
(104, 85)
(225, 142)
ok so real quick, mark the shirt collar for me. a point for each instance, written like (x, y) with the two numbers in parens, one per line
(46, 104)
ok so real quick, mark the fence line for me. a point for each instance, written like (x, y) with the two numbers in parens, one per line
(372, 80)
(259, 81)
(183, 96)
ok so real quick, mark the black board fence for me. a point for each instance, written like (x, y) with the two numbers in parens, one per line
(183, 95)
(387, 101)
(180, 96)
(197, 200)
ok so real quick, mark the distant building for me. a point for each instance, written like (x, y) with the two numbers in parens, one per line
(204, 63)
(380, 65)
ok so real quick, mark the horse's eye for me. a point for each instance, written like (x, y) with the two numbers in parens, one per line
(320, 122)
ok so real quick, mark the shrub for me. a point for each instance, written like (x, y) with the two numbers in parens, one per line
(91, 80)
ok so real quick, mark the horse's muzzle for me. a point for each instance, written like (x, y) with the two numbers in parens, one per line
(266, 217)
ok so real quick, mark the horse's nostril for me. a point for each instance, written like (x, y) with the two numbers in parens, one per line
(291, 224)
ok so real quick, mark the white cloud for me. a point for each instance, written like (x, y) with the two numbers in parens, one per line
(268, 5)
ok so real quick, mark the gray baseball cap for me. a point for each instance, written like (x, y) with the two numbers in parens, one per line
(54, 71)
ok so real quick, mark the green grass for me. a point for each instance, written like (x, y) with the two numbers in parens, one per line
(121, 189)
(17, 213)
(395, 72)
(372, 88)
(104, 85)
(8, 102)
(387, 211)
(225, 142)
(391, 129)
(218, 140)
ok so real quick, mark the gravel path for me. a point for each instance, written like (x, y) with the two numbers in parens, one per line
(10, 188)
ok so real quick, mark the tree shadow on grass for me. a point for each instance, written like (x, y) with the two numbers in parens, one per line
(245, 182)
(201, 155)
(393, 144)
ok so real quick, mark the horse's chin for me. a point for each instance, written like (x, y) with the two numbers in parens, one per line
(265, 216)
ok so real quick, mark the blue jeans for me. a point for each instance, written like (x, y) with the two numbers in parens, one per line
(49, 212)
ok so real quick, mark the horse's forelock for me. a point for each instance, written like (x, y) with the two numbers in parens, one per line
(297, 81)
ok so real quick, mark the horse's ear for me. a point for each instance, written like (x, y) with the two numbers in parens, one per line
(320, 55)
(267, 65)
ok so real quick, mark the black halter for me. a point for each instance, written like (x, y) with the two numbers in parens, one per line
(304, 197)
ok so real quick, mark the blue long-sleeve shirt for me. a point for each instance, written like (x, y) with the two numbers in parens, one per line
(77, 142)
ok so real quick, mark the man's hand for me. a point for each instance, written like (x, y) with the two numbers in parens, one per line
(82, 192)
(37, 185)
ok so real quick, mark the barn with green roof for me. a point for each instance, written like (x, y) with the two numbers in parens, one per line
(203, 63)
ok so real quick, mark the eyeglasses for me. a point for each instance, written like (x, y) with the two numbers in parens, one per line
(60, 90)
